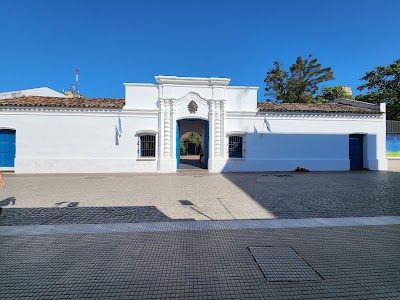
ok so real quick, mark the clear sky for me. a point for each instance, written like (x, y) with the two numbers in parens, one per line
(117, 41)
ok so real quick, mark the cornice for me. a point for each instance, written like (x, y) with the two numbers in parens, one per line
(174, 80)
(300, 115)
(56, 109)
(78, 111)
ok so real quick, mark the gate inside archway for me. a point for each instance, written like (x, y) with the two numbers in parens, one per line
(192, 155)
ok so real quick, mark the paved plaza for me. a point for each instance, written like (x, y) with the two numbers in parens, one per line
(188, 195)
(194, 235)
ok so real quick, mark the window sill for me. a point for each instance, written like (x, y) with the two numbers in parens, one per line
(146, 159)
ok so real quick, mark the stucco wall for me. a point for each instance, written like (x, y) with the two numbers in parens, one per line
(394, 164)
(310, 141)
(78, 142)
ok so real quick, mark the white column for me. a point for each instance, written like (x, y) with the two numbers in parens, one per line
(211, 116)
(173, 128)
(161, 129)
(223, 129)
(217, 130)
(167, 129)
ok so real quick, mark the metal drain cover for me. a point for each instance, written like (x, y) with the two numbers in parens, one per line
(283, 264)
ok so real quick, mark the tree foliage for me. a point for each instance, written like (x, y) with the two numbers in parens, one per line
(183, 149)
(332, 92)
(383, 85)
(194, 138)
(299, 84)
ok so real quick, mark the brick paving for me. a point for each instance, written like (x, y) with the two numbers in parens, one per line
(126, 198)
(323, 194)
(217, 262)
(360, 262)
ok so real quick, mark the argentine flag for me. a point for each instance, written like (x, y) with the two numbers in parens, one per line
(267, 124)
(119, 128)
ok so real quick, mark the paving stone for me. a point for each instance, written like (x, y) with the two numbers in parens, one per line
(358, 262)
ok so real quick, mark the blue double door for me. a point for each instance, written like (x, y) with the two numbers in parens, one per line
(7, 148)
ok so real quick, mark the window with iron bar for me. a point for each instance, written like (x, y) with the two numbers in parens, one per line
(147, 146)
(236, 146)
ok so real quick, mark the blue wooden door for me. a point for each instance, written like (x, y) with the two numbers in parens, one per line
(178, 146)
(206, 144)
(7, 147)
(356, 151)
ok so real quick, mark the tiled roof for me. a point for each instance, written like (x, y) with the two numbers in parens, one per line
(314, 108)
(40, 101)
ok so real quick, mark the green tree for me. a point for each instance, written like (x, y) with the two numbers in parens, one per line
(194, 138)
(300, 84)
(332, 92)
(383, 85)
(183, 149)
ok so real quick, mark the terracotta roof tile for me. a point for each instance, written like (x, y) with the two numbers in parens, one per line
(40, 101)
(314, 108)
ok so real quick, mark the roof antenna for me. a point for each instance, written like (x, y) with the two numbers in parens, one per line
(77, 81)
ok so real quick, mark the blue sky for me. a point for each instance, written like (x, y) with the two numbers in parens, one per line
(119, 41)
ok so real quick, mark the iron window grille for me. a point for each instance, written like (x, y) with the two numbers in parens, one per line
(147, 145)
(236, 146)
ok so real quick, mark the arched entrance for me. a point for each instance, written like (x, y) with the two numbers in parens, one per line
(197, 157)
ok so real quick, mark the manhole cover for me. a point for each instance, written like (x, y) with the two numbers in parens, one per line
(283, 264)
(185, 202)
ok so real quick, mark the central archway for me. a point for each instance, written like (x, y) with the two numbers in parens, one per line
(200, 159)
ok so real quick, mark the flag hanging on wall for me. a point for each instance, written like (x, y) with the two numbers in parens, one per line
(267, 123)
(119, 128)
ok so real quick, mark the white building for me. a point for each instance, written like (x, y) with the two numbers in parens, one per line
(43, 91)
(141, 132)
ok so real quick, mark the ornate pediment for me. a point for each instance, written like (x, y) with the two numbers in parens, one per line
(192, 97)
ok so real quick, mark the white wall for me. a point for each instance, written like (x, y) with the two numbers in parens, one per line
(241, 99)
(315, 142)
(141, 96)
(78, 142)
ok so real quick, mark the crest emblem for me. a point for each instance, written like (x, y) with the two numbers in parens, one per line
(192, 107)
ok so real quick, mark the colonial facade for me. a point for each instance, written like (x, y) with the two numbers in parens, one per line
(141, 133)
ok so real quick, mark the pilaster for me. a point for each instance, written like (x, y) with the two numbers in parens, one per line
(167, 129)
(211, 119)
(173, 127)
(161, 128)
(223, 129)
(217, 130)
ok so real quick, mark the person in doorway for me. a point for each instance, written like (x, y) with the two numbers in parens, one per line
(201, 153)
(2, 183)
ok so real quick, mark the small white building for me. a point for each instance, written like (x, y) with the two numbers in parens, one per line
(141, 132)
(42, 91)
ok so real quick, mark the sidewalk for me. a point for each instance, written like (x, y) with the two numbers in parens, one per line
(355, 262)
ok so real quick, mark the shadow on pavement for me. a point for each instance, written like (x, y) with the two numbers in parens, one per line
(8, 201)
(296, 195)
(82, 215)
